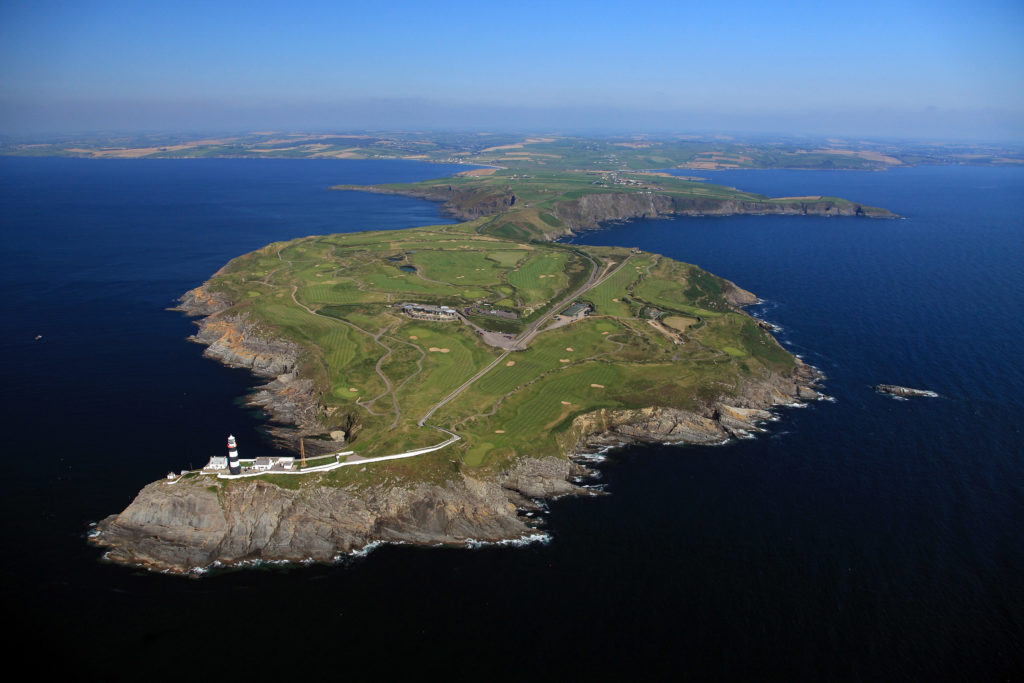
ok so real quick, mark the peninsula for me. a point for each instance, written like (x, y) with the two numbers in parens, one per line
(452, 373)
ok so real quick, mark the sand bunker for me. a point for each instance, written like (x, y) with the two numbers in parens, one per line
(434, 349)
(597, 386)
(568, 348)
(566, 403)
(353, 389)
(510, 363)
(413, 336)
(499, 431)
(563, 360)
(604, 333)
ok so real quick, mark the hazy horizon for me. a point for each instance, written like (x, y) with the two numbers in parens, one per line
(943, 70)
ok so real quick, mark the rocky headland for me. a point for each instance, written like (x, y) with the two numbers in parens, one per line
(203, 522)
(196, 524)
(590, 211)
(200, 521)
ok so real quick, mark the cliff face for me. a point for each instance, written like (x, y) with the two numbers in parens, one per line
(464, 204)
(589, 211)
(238, 342)
(200, 521)
(195, 523)
(712, 424)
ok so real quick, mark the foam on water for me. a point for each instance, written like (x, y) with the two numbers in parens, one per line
(528, 539)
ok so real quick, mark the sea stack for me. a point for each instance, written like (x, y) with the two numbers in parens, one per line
(233, 465)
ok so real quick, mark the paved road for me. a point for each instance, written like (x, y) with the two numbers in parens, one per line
(520, 343)
(465, 385)
(524, 339)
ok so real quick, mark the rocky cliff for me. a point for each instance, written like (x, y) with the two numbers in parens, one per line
(464, 204)
(589, 211)
(714, 423)
(237, 341)
(199, 522)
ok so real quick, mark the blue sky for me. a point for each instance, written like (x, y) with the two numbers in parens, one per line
(940, 68)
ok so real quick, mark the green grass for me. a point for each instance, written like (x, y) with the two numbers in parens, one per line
(526, 408)
(509, 258)
(540, 279)
(604, 295)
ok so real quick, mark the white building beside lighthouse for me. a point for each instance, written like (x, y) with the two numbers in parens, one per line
(217, 462)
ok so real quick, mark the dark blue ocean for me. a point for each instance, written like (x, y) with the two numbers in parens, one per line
(860, 539)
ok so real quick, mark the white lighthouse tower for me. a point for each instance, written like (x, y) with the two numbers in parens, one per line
(233, 465)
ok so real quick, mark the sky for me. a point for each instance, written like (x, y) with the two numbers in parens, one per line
(938, 69)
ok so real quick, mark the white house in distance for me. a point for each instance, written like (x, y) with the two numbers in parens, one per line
(277, 462)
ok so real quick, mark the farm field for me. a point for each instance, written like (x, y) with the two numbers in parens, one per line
(536, 153)
(540, 203)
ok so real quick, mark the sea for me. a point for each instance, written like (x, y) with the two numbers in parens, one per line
(860, 538)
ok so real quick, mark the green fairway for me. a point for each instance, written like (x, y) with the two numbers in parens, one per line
(382, 371)
(496, 365)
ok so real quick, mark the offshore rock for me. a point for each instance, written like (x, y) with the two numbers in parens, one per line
(904, 392)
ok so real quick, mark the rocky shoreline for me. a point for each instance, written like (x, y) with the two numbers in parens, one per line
(590, 211)
(190, 526)
(195, 524)
(199, 522)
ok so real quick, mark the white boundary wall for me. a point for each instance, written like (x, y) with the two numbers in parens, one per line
(336, 465)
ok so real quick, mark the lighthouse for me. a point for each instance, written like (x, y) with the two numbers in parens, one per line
(233, 465)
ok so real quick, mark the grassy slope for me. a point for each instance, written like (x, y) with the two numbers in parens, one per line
(351, 281)
(539, 193)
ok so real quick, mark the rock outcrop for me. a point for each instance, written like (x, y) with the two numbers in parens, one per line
(238, 342)
(460, 203)
(201, 522)
(711, 424)
(591, 210)
(904, 392)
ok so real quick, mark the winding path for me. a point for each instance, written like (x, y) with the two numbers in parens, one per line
(523, 340)
(388, 388)
(520, 343)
